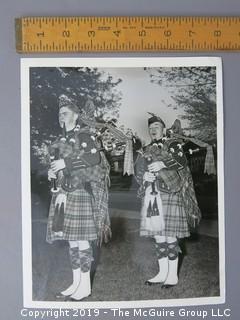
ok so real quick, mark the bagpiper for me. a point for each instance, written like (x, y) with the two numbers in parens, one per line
(79, 206)
(169, 204)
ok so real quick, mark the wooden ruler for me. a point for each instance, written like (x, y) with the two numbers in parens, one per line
(126, 34)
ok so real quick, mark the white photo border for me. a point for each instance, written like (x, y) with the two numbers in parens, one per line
(26, 64)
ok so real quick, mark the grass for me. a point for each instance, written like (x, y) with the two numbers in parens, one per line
(124, 264)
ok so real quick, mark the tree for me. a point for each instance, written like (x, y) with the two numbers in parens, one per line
(78, 84)
(194, 90)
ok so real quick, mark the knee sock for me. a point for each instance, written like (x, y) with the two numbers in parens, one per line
(84, 288)
(162, 255)
(75, 263)
(173, 251)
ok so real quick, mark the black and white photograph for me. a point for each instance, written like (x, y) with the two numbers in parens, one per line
(122, 182)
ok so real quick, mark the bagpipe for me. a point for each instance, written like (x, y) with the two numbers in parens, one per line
(179, 149)
(177, 133)
(112, 138)
(71, 146)
(172, 152)
(83, 150)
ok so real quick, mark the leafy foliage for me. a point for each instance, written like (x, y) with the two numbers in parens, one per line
(78, 84)
(194, 90)
(93, 91)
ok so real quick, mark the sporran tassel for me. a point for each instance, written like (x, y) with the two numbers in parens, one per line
(149, 209)
(155, 211)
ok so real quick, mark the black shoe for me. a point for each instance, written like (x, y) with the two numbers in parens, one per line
(72, 299)
(69, 298)
(149, 283)
(61, 296)
(168, 286)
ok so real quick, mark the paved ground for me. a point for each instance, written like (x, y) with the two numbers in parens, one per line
(124, 264)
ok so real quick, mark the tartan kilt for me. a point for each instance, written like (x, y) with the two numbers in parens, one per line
(78, 223)
(175, 217)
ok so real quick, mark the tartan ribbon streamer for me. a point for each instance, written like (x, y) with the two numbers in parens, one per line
(128, 167)
(209, 166)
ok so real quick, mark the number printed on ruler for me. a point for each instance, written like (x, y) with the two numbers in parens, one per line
(102, 34)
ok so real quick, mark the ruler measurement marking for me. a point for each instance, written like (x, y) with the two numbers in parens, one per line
(220, 33)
